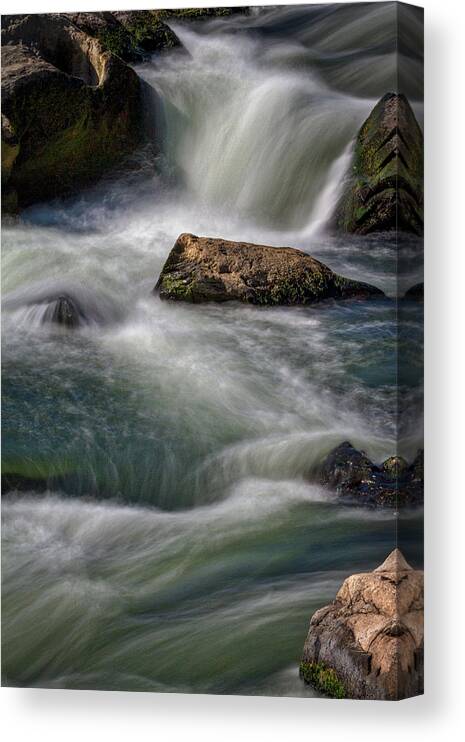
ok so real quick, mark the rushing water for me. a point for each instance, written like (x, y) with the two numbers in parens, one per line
(184, 547)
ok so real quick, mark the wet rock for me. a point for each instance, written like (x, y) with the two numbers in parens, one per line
(64, 311)
(72, 110)
(384, 191)
(415, 292)
(346, 466)
(394, 467)
(67, 303)
(368, 643)
(356, 479)
(200, 269)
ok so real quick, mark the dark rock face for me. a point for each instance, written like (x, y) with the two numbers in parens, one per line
(356, 479)
(368, 643)
(415, 292)
(134, 34)
(71, 110)
(385, 187)
(200, 269)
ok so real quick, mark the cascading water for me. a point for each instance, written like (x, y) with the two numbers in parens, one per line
(182, 546)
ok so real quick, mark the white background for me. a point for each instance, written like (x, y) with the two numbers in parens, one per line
(84, 715)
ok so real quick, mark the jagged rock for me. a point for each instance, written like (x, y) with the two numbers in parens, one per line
(132, 34)
(200, 269)
(415, 292)
(129, 34)
(357, 480)
(368, 643)
(72, 110)
(385, 188)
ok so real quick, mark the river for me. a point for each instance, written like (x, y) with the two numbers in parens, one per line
(184, 547)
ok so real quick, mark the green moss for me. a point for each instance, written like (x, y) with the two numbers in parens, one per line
(88, 131)
(115, 40)
(323, 678)
(176, 288)
(385, 190)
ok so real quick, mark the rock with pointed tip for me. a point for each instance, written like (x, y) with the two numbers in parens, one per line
(384, 191)
(371, 637)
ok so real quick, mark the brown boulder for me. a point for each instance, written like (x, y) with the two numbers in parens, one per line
(369, 641)
(200, 269)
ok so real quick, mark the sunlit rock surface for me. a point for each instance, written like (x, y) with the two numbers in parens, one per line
(202, 269)
(371, 636)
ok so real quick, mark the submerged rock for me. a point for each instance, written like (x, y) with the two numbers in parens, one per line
(368, 643)
(64, 311)
(72, 110)
(69, 304)
(354, 477)
(200, 269)
(385, 188)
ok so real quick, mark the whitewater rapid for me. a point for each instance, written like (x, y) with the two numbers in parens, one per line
(184, 546)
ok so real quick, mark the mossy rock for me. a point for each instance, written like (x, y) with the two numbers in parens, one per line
(384, 190)
(324, 679)
(357, 480)
(201, 269)
(73, 109)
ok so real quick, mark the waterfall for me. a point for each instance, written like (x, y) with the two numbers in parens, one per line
(254, 135)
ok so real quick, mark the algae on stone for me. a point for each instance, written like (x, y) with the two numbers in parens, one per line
(323, 678)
